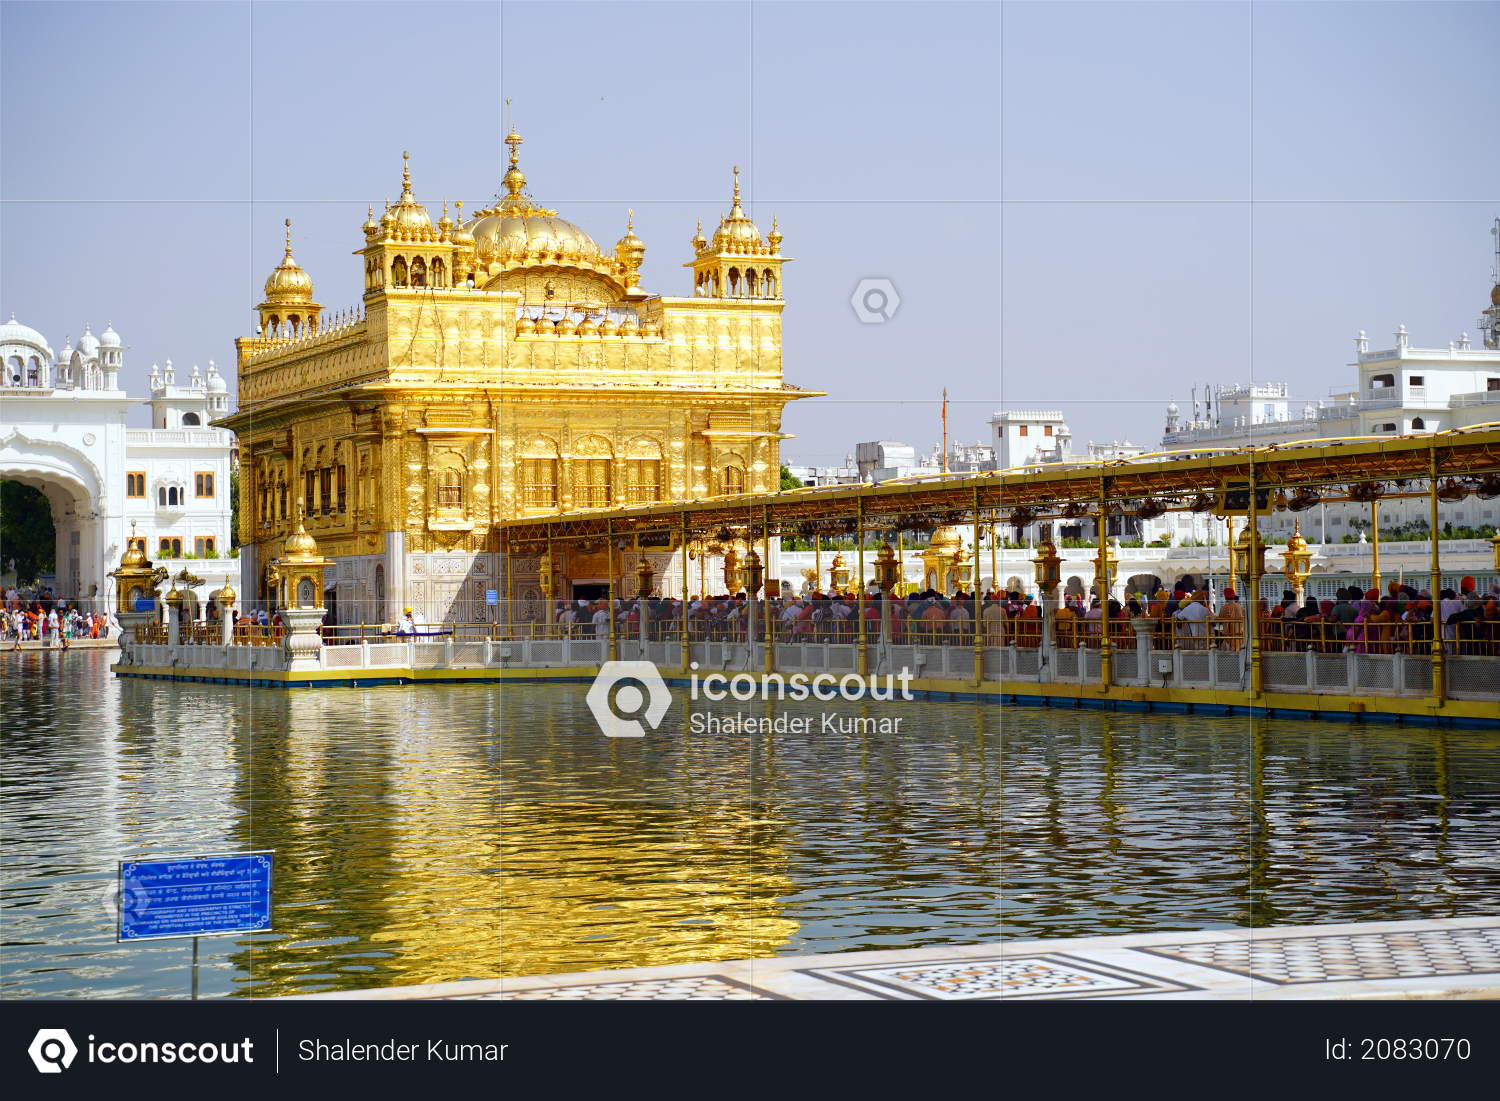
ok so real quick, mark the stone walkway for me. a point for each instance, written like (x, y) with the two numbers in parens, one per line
(1453, 958)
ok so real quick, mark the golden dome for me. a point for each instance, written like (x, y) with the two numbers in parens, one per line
(516, 232)
(227, 595)
(586, 327)
(299, 544)
(737, 233)
(566, 327)
(461, 236)
(411, 222)
(133, 558)
(698, 242)
(371, 227)
(289, 283)
(630, 249)
(946, 537)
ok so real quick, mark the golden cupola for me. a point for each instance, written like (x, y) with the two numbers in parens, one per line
(289, 295)
(738, 262)
(630, 250)
(405, 251)
(519, 245)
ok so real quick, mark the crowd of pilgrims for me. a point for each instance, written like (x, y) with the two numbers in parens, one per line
(1363, 621)
(39, 618)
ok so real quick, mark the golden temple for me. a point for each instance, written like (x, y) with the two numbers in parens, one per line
(499, 367)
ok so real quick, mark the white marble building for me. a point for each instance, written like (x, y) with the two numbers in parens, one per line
(63, 431)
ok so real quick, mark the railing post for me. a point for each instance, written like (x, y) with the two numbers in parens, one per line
(683, 632)
(974, 596)
(1104, 584)
(1143, 628)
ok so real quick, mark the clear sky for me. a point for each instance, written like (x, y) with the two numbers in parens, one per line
(1092, 207)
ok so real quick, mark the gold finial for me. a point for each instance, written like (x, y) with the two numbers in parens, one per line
(405, 173)
(514, 141)
(459, 206)
(630, 222)
(288, 236)
(736, 185)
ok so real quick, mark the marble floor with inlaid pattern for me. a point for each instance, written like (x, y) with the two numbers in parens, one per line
(1450, 958)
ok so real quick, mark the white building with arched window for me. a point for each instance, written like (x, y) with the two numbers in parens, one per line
(63, 431)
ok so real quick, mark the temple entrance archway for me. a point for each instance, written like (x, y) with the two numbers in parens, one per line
(75, 492)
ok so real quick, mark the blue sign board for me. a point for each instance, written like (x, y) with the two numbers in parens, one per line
(491, 596)
(145, 603)
(195, 896)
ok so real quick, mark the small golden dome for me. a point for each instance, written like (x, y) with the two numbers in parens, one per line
(461, 236)
(648, 327)
(445, 223)
(299, 544)
(946, 538)
(566, 327)
(371, 227)
(227, 595)
(586, 327)
(133, 558)
(545, 327)
(524, 325)
(630, 249)
(411, 217)
(737, 233)
(289, 283)
(606, 327)
(698, 242)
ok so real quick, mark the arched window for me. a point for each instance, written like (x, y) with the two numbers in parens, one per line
(734, 281)
(752, 283)
(398, 272)
(591, 483)
(191, 419)
(419, 272)
(161, 497)
(1382, 382)
(172, 495)
(734, 481)
(437, 274)
(1417, 424)
(643, 481)
(539, 483)
(450, 488)
(1386, 427)
(769, 288)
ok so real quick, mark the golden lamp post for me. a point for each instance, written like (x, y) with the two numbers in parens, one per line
(887, 576)
(1048, 565)
(1297, 560)
(645, 578)
(1247, 560)
(838, 574)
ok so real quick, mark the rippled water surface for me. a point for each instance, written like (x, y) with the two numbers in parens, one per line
(428, 834)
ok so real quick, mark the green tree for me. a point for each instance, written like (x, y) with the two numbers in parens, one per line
(234, 508)
(787, 480)
(28, 539)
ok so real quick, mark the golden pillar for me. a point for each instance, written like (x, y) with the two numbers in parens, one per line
(1103, 575)
(1252, 603)
(609, 555)
(682, 520)
(974, 601)
(1375, 546)
(1438, 687)
(771, 615)
(859, 604)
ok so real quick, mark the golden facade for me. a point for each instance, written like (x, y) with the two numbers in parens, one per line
(501, 366)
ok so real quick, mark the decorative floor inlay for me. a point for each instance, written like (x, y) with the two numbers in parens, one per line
(1049, 976)
(1406, 955)
(687, 989)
